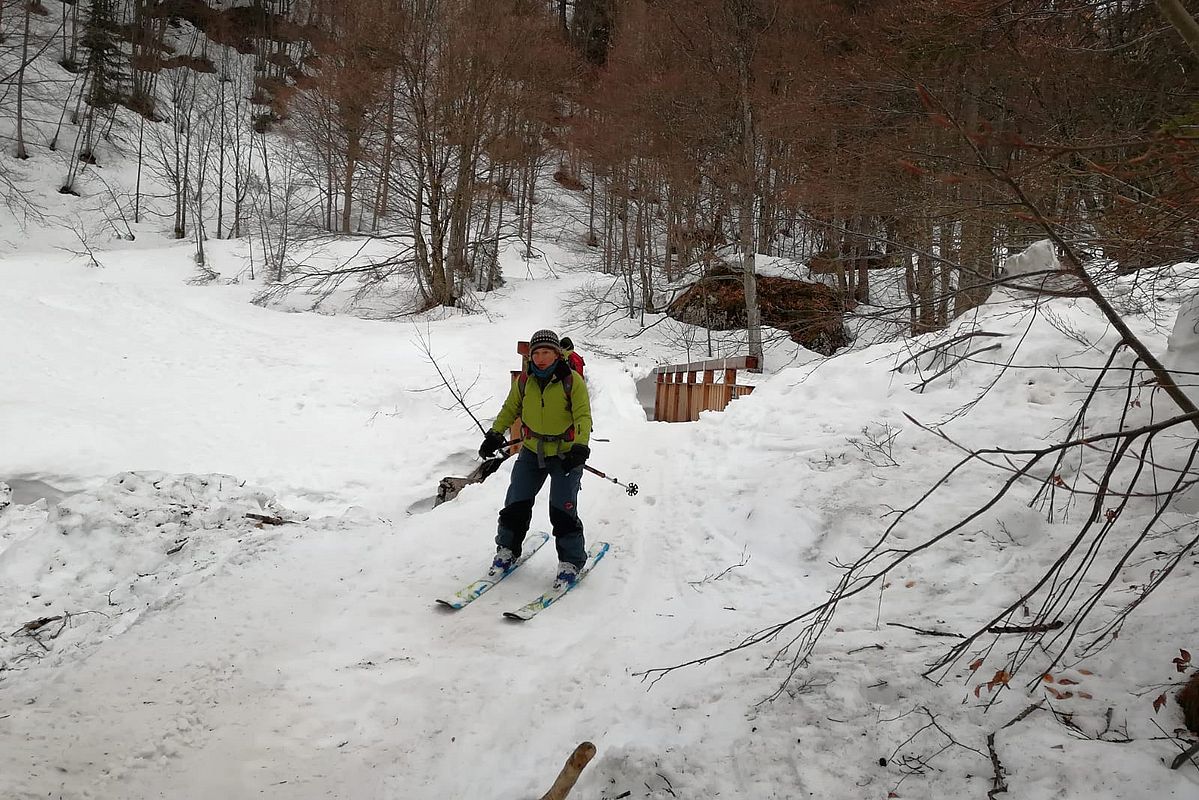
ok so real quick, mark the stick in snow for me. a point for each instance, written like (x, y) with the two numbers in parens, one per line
(579, 759)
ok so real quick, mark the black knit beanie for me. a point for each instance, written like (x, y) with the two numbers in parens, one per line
(544, 338)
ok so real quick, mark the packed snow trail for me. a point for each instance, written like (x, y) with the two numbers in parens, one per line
(313, 665)
(309, 661)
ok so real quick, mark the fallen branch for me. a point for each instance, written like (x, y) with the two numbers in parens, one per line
(1043, 627)
(999, 780)
(1000, 784)
(579, 759)
(266, 519)
(941, 347)
(924, 384)
(713, 578)
(36, 624)
(1184, 756)
(927, 632)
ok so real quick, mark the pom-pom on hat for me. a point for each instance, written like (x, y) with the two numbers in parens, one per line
(545, 338)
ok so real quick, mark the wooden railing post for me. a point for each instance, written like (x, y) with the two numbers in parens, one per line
(681, 394)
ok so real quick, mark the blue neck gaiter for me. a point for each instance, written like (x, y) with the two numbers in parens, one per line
(543, 374)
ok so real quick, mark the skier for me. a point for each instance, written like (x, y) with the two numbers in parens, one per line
(555, 412)
(573, 358)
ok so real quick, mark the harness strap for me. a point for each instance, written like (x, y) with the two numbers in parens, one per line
(567, 435)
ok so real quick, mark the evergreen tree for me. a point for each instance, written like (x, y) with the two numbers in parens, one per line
(103, 55)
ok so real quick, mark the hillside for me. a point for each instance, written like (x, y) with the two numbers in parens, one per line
(156, 389)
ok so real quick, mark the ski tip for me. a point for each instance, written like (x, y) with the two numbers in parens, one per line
(448, 604)
(512, 615)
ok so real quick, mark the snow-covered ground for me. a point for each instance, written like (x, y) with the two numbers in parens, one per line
(194, 652)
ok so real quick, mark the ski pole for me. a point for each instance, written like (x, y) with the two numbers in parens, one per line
(631, 488)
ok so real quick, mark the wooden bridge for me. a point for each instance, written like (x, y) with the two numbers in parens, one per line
(681, 394)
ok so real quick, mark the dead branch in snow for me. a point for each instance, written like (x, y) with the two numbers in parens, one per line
(1184, 756)
(998, 779)
(910, 764)
(36, 624)
(920, 387)
(33, 628)
(723, 573)
(1107, 460)
(999, 783)
(569, 775)
(1041, 628)
(926, 632)
(267, 519)
(940, 350)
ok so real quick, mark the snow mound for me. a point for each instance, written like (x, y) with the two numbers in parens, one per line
(87, 568)
(1038, 257)
(1183, 346)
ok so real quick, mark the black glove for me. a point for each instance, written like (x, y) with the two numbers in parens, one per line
(575, 457)
(493, 441)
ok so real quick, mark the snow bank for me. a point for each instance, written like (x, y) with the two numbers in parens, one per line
(101, 558)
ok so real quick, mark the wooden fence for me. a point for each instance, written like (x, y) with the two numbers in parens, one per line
(680, 394)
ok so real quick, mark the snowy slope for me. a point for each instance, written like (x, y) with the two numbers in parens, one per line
(307, 660)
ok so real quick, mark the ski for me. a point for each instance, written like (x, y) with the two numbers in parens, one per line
(530, 610)
(475, 589)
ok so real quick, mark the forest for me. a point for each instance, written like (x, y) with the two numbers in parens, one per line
(922, 141)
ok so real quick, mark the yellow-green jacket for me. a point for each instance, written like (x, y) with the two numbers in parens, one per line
(544, 412)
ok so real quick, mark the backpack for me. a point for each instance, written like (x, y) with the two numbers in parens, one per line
(576, 362)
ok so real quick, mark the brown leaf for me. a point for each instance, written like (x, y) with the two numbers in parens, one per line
(1085, 695)
(977, 689)
(1067, 682)
(1047, 678)
(1185, 655)
(910, 584)
(975, 664)
(1085, 672)
(1001, 678)
(1054, 692)
(1159, 701)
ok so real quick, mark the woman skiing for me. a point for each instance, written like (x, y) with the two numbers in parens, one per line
(552, 403)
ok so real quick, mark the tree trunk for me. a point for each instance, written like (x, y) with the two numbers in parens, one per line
(1186, 25)
(21, 87)
(220, 171)
(137, 187)
(347, 185)
(749, 277)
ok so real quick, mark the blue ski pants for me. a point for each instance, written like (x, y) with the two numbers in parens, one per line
(527, 479)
